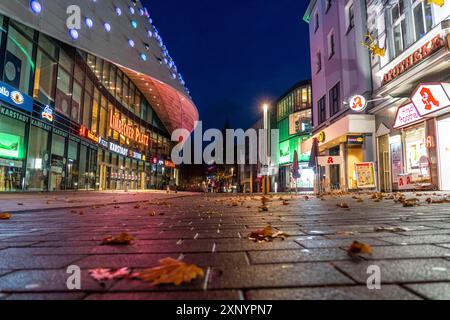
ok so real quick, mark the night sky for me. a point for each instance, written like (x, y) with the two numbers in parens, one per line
(235, 54)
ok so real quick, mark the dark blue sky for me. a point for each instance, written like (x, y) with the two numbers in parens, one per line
(235, 54)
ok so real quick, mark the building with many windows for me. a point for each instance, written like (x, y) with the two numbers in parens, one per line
(411, 88)
(89, 106)
(340, 69)
(293, 119)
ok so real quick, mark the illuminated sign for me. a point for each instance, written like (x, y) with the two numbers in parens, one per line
(321, 137)
(135, 155)
(406, 114)
(47, 114)
(429, 98)
(19, 100)
(417, 56)
(10, 146)
(355, 140)
(103, 142)
(127, 131)
(358, 103)
(118, 149)
(84, 132)
(169, 164)
(329, 160)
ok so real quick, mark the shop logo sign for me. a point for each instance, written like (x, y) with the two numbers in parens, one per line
(406, 114)
(47, 114)
(358, 103)
(429, 98)
(13, 97)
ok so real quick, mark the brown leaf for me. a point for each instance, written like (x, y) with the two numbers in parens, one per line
(343, 205)
(285, 203)
(171, 271)
(359, 247)
(152, 214)
(20, 204)
(122, 239)
(5, 216)
(264, 208)
(390, 229)
(267, 234)
(138, 206)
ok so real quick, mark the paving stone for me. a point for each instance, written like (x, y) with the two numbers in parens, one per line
(425, 239)
(435, 291)
(388, 292)
(183, 295)
(248, 245)
(409, 251)
(60, 296)
(270, 276)
(337, 243)
(399, 271)
(17, 262)
(299, 255)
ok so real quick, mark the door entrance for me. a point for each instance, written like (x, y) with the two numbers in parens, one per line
(444, 153)
(383, 159)
(103, 171)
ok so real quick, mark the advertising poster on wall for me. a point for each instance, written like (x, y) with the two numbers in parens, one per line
(397, 161)
(10, 146)
(365, 175)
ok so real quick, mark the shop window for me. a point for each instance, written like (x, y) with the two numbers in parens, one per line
(37, 160)
(45, 78)
(63, 95)
(417, 161)
(65, 61)
(95, 110)
(19, 65)
(350, 16)
(12, 153)
(112, 80)
(79, 74)
(399, 28)
(106, 72)
(331, 45)
(318, 62)
(87, 104)
(76, 101)
(335, 99)
(83, 174)
(72, 165)
(103, 118)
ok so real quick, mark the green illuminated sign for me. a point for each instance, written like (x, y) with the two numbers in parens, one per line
(287, 149)
(10, 146)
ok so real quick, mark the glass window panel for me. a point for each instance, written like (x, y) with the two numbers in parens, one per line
(45, 78)
(65, 61)
(63, 97)
(76, 101)
(95, 110)
(47, 45)
(87, 109)
(36, 161)
(18, 64)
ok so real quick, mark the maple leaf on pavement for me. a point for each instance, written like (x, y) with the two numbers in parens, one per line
(109, 274)
(171, 271)
(359, 247)
(267, 234)
(5, 216)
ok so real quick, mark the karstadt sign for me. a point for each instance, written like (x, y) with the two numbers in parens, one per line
(15, 98)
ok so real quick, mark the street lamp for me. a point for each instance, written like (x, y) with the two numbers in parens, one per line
(266, 149)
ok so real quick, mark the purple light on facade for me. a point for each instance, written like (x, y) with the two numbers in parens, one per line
(74, 34)
(107, 27)
(118, 11)
(131, 43)
(35, 6)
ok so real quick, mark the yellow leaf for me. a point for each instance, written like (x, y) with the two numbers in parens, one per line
(122, 239)
(5, 216)
(267, 234)
(171, 271)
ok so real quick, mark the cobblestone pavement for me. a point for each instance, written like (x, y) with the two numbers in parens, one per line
(38, 244)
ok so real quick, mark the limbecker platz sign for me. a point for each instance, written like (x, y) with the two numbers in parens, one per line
(128, 131)
(416, 57)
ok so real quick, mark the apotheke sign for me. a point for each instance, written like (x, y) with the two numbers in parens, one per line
(16, 98)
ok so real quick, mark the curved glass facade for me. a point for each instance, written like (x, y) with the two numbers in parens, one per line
(88, 126)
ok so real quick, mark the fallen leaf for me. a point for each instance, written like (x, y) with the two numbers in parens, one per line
(137, 206)
(109, 274)
(5, 216)
(267, 234)
(171, 271)
(20, 204)
(152, 214)
(264, 208)
(122, 239)
(285, 203)
(390, 229)
(359, 247)
(343, 205)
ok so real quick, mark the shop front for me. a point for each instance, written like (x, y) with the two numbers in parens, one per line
(343, 146)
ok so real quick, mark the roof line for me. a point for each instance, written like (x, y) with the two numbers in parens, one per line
(307, 15)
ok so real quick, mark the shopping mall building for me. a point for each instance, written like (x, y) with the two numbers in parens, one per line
(89, 106)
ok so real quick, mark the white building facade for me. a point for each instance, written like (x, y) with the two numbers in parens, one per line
(411, 89)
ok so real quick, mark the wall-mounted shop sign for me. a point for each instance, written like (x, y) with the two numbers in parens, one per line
(405, 182)
(358, 103)
(355, 140)
(329, 160)
(406, 115)
(135, 155)
(40, 124)
(102, 142)
(128, 131)
(13, 115)
(429, 98)
(321, 137)
(84, 132)
(118, 149)
(47, 114)
(169, 164)
(416, 57)
(15, 98)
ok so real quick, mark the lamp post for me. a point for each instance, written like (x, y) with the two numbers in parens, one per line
(266, 149)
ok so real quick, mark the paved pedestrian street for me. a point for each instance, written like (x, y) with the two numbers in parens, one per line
(46, 234)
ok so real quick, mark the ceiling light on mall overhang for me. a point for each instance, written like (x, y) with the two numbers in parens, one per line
(134, 24)
(118, 11)
(35, 6)
(149, 33)
(131, 43)
(132, 11)
(107, 27)
(74, 34)
(143, 56)
(141, 12)
(89, 23)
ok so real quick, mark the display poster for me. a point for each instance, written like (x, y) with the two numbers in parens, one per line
(396, 161)
(365, 175)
